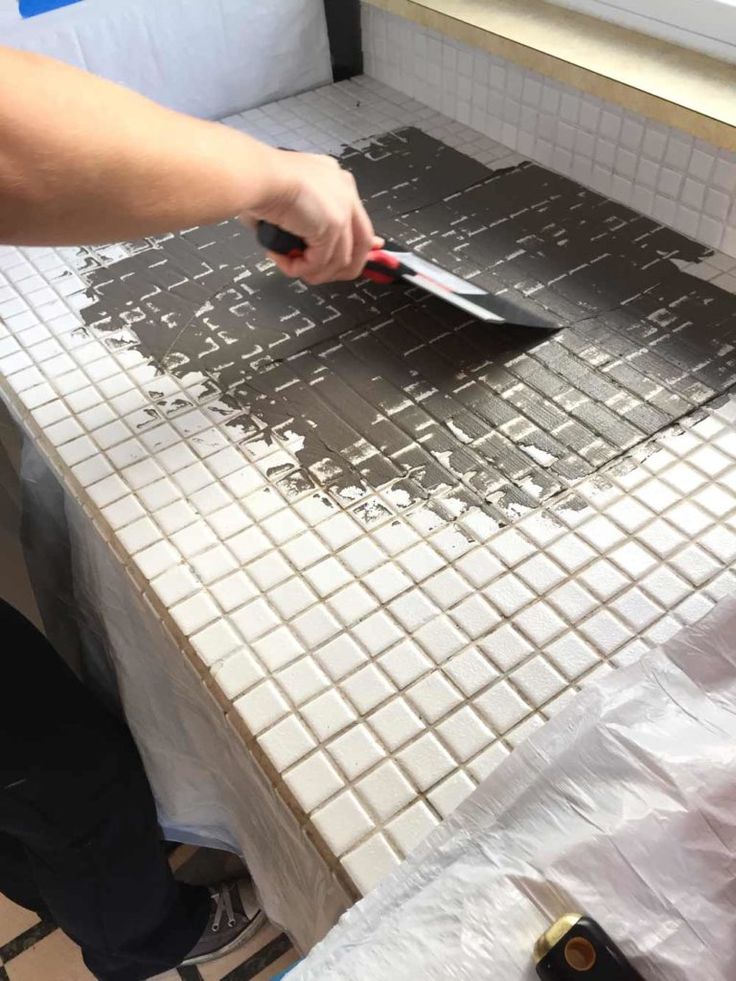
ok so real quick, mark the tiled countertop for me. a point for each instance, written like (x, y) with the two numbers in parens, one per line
(394, 541)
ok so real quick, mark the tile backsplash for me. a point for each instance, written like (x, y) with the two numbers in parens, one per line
(660, 171)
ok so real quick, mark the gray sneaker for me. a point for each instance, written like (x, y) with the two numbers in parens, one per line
(235, 918)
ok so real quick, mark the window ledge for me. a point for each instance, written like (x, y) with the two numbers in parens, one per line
(656, 78)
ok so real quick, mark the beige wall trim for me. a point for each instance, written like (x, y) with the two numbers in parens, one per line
(660, 80)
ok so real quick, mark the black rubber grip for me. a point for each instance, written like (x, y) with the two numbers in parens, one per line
(275, 239)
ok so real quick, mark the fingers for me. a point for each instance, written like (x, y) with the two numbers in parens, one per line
(364, 240)
(326, 211)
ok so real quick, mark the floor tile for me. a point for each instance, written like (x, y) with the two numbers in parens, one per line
(54, 959)
(14, 920)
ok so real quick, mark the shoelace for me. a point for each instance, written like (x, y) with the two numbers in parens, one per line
(223, 904)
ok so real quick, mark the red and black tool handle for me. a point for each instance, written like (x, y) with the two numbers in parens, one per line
(382, 265)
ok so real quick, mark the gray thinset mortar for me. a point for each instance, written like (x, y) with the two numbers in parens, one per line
(398, 397)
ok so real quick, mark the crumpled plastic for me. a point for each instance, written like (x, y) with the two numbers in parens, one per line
(209, 58)
(623, 807)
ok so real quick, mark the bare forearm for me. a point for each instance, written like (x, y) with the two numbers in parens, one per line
(83, 160)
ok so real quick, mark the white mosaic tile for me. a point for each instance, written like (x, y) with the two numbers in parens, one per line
(383, 669)
(660, 171)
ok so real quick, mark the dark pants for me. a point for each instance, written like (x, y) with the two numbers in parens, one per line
(79, 840)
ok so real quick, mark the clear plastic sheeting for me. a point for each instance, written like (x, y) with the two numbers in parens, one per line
(209, 58)
(208, 786)
(624, 807)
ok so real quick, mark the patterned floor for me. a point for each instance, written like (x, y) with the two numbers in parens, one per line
(35, 951)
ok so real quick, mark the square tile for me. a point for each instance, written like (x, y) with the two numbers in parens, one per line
(404, 663)
(385, 791)
(661, 537)
(447, 796)
(572, 552)
(261, 707)
(478, 567)
(315, 626)
(302, 680)
(395, 724)
(194, 613)
(601, 533)
(355, 751)
(603, 579)
(277, 648)
(486, 762)
(413, 609)
(215, 642)
(511, 547)
(420, 561)
(440, 639)
(329, 714)
(362, 556)
(270, 570)
(540, 573)
(433, 697)
(233, 591)
(537, 681)
(572, 655)
(292, 598)
(470, 671)
(720, 542)
(286, 743)
(343, 822)
(367, 688)
(605, 631)
(509, 594)
(665, 586)
(327, 576)
(237, 673)
(340, 657)
(633, 559)
(572, 600)
(255, 619)
(426, 761)
(464, 733)
(694, 564)
(540, 623)
(694, 608)
(352, 603)
(502, 707)
(370, 862)
(377, 632)
(313, 781)
(506, 647)
(387, 581)
(636, 608)
(411, 828)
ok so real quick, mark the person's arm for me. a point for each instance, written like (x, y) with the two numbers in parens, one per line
(84, 161)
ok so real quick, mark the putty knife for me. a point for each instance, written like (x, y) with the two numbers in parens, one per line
(392, 264)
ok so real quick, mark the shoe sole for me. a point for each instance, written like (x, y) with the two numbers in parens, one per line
(258, 923)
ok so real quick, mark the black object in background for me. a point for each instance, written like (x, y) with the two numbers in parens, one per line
(346, 42)
(576, 948)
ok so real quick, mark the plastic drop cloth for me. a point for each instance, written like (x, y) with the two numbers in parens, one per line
(208, 787)
(624, 807)
(209, 58)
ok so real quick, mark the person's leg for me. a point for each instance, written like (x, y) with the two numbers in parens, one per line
(74, 796)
